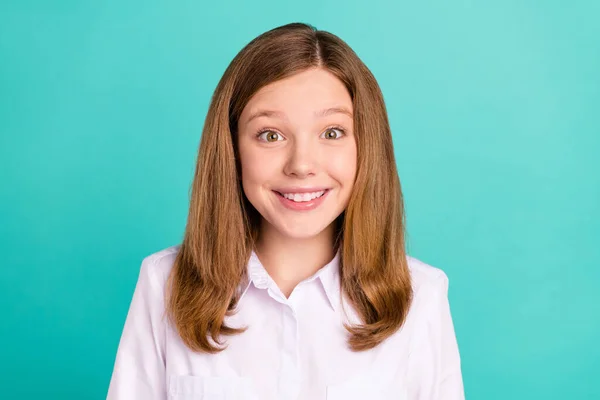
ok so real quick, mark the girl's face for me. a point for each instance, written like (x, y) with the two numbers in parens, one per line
(296, 134)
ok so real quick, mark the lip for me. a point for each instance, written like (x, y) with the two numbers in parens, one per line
(298, 189)
(303, 206)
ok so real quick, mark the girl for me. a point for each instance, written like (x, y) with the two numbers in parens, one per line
(292, 280)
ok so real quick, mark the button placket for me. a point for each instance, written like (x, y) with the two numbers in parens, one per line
(289, 380)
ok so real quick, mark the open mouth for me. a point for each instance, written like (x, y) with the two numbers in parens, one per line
(302, 201)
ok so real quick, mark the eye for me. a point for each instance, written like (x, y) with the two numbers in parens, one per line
(336, 130)
(333, 132)
(271, 134)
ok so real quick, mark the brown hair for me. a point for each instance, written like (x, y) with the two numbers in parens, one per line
(222, 225)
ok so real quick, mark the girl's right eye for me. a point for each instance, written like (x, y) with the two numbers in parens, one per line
(270, 134)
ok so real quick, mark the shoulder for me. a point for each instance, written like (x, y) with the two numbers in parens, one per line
(426, 278)
(156, 267)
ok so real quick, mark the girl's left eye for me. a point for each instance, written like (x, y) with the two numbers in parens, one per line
(334, 129)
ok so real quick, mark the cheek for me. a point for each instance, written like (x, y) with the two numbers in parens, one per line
(249, 162)
(257, 169)
(342, 165)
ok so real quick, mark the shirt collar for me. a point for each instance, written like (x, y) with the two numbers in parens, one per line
(328, 275)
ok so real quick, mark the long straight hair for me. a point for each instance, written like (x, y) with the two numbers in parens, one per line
(222, 226)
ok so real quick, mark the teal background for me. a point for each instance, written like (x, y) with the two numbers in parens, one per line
(494, 107)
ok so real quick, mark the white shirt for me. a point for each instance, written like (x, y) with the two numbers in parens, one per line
(294, 349)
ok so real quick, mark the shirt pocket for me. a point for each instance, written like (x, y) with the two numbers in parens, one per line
(189, 387)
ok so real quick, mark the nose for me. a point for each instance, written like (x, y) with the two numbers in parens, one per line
(302, 158)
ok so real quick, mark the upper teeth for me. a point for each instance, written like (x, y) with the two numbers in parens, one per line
(303, 196)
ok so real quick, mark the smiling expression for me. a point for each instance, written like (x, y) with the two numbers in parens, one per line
(294, 135)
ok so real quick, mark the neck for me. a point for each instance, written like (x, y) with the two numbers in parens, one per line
(289, 260)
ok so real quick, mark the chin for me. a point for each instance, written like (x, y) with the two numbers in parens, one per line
(302, 231)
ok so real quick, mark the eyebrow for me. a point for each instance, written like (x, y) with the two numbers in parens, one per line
(320, 114)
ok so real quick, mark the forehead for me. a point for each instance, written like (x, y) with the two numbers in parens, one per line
(302, 93)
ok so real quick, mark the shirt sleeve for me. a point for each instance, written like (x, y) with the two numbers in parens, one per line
(448, 383)
(139, 369)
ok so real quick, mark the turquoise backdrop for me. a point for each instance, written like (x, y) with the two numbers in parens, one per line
(494, 107)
